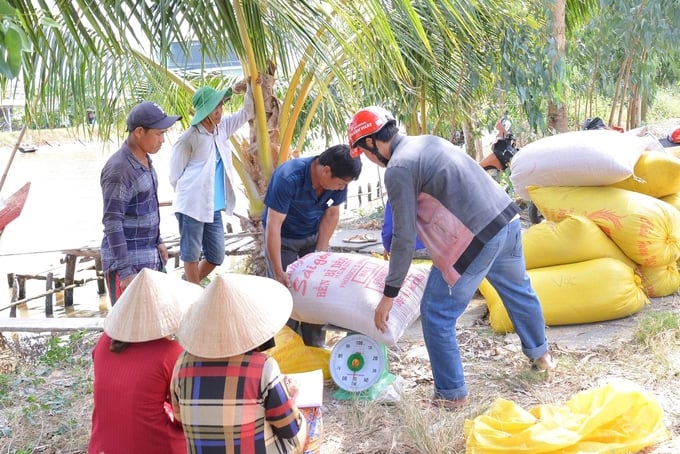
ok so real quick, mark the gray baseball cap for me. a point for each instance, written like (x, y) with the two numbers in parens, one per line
(149, 115)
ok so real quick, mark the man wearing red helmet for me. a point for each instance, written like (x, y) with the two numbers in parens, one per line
(471, 229)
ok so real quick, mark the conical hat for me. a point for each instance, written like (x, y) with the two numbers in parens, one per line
(150, 307)
(235, 314)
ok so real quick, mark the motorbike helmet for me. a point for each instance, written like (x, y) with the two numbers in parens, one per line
(365, 122)
(674, 137)
(593, 123)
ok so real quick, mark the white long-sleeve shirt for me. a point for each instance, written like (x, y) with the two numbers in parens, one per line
(192, 165)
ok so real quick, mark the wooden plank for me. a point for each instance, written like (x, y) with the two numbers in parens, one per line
(39, 325)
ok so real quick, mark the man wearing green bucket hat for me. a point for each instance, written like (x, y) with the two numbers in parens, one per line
(202, 175)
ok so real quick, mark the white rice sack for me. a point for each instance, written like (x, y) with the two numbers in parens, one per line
(344, 289)
(577, 158)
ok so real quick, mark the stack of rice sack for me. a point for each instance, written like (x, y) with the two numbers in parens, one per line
(610, 242)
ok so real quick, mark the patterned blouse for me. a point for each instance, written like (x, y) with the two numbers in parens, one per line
(234, 405)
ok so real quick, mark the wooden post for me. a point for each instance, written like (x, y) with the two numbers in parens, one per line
(378, 190)
(368, 192)
(15, 297)
(22, 286)
(359, 192)
(49, 311)
(69, 276)
(101, 285)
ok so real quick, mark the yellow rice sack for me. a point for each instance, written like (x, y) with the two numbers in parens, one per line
(672, 199)
(659, 281)
(645, 228)
(585, 292)
(573, 239)
(656, 173)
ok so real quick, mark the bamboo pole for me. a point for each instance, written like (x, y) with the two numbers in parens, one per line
(11, 157)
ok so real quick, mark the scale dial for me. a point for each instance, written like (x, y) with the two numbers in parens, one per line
(357, 362)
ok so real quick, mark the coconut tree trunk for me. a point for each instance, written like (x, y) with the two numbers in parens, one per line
(557, 113)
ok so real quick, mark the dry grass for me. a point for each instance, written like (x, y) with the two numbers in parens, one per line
(46, 390)
(496, 369)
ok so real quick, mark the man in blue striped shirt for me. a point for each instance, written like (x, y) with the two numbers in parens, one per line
(132, 239)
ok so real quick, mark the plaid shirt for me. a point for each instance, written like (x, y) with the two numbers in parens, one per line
(131, 215)
(234, 405)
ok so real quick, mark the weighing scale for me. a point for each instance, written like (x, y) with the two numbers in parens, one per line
(358, 366)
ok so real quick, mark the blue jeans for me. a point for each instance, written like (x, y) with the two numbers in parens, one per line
(196, 237)
(502, 262)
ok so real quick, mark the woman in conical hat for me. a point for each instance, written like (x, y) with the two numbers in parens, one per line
(224, 389)
(133, 362)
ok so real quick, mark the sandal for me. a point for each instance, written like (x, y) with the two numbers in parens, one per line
(361, 238)
(545, 363)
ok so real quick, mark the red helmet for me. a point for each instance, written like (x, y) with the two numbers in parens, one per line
(365, 122)
(674, 136)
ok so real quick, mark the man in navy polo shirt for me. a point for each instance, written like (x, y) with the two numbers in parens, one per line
(302, 210)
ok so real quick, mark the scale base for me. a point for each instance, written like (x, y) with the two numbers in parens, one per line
(372, 393)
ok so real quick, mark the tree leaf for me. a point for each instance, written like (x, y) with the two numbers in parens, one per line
(6, 10)
(14, 48)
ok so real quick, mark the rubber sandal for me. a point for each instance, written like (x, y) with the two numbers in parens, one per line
(545, 363)
(361, 238)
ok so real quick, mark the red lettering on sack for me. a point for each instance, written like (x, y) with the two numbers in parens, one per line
(299, 286)
(646, 226)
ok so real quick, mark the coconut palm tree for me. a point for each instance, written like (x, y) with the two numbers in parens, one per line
(428, 61)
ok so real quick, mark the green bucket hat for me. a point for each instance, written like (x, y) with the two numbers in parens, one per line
(205, 100)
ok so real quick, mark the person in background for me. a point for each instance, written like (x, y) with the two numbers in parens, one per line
(228, 394)
(593, 124)
(503, 126)
(203, 177)
(386, 232)
(471, 229)
(133, 363)
(302, 209)
(132, 239)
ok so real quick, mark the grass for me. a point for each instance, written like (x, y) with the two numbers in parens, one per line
(46, 389)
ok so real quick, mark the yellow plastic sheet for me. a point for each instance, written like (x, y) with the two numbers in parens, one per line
(294, 356)
(617, 418)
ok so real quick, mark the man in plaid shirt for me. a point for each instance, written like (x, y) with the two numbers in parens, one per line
(132, 239)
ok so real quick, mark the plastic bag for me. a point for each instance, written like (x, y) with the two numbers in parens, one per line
(294, 356)
(619, 417)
